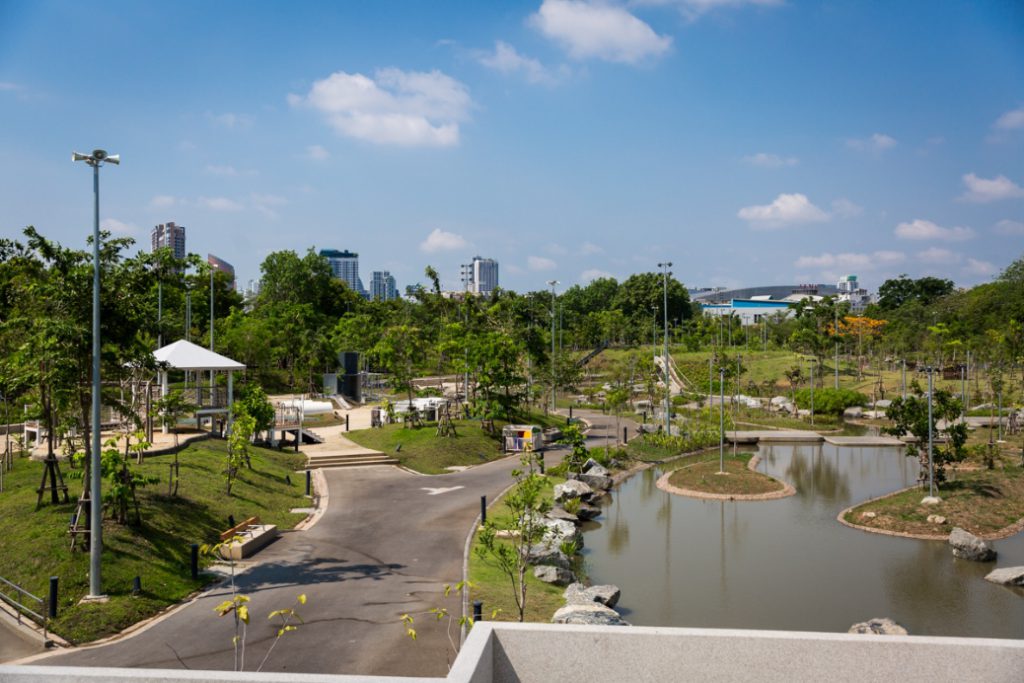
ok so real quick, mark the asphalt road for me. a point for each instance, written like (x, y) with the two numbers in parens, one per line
(387, 544)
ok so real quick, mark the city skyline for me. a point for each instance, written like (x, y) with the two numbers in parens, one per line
(752, 142)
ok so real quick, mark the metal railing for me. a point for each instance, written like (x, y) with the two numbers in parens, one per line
(207, 397)
(41, 617)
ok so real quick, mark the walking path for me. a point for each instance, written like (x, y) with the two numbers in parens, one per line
(387, 545)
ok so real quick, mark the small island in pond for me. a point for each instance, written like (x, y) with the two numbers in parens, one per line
(740, 480)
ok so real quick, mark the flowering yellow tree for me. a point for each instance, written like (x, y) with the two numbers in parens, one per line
(859, 326)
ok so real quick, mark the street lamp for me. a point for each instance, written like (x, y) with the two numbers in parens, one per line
(668, 386)
(931, 469)
(721, 420)
(552, 284)
(97, 158)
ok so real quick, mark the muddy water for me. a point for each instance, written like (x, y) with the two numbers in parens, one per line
(788, 564)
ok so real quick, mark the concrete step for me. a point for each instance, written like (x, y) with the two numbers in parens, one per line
(322, 461)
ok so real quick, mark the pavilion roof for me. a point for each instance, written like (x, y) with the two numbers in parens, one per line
(184, 355)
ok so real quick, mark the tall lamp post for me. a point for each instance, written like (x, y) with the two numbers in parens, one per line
(552, 284)
(835, 332)
(721, 420)
(931, 468)
(96, 158)
(668, 385)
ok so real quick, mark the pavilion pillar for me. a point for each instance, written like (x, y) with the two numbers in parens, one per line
(163, 394)
(231, 401)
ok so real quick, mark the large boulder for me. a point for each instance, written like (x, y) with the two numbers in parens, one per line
(560, 531)
(559, 576)
(572, 489)
(853, 412)
(588, 512)
(1007, 576)
(559, 513)
(591, 466)
(545, 554)
(879, 627)
(597, 482)
(590, 614)
(578, 594)
(967, 546)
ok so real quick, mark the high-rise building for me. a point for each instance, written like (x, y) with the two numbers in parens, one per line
(222, 266)
(345, 266)
(169, 235)
(382, 286)
(484, 275)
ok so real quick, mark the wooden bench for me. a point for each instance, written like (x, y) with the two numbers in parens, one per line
(246, 538)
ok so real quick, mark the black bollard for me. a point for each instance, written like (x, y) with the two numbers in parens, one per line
(570, 412)
(195, 561)
(540, 462)
(478, 611)
(309, 482)
(231, 521)
(483, 509)
(288, 479)
(625, 436)
(136, 585)
(51, 606)
(346, 422)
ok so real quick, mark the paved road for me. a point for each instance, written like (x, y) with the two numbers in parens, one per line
(387, 544)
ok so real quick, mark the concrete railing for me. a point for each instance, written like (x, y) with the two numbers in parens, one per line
(506, 653)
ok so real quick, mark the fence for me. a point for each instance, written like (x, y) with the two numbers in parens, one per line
(41, 617)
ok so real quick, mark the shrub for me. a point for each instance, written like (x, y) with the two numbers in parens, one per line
(828, 401)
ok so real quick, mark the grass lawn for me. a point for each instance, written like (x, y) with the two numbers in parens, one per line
(494, 588)
(980, 501)
(36, 543)
(424, 451)
(704, 476)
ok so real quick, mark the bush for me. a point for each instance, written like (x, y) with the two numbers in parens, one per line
(828, 401)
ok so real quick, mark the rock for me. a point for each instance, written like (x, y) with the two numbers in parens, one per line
(854, 412)
(882, 403)
(591, 466)
(868, 515)
(803, 412)
(592, 614)
(879, 627)
(596, 481)
(779, 401)
(588, 512)
(930, 500)
(578, 594)
(1007, 576)
(559, 576)
(572, 489)
(543, 554)
(561, 531)
(967, 546)
(558, 513)
(936, 519)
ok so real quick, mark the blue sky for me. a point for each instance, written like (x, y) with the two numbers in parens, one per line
(750, 142)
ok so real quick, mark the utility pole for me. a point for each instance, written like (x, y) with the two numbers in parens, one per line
(721, 420)
(553, 283)
(668, 384)
(835, 331)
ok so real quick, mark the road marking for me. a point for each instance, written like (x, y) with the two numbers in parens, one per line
(438, 491)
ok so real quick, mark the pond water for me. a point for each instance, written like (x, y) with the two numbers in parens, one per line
(788, 564)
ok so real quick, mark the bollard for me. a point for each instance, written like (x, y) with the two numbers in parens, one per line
(195, 561)
(625, 436)
(478, 611)
(52, 604)
(288, 479)
(483, 509)
(540, 462)
(309, 482)
(136, 585)
(346, 422)
(570, 412)
(231, 521)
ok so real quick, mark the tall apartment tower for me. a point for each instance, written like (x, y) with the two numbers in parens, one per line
(345, 266)
(169, 235)
(222, 266)
(382, 286)
(484, 275)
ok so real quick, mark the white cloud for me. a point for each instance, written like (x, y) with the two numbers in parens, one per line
(441, 240)
(406, 108)
(116, 227)
(694, 8)
(229, 120)
(878, 142)
(765, 160)
(787, 209)
(1008, 227)
(982, 190)
(507, 60)
(598, 31)
(980, 268)
(844, 208)
(226, 170)
(848, 261)
(594, 274)
(219, 204)
(938, 256)
(163, 201)
(317, 153)
(919, 229)
(589, 248)
(1011, 120)
(540, 263)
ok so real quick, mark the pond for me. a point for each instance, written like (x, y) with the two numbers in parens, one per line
(788, 564)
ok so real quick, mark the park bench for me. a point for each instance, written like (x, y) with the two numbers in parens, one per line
(246, 538)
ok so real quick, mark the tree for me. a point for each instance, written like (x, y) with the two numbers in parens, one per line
(401, 350)
(896, 292)
(910, 416)
(253, 402)
(526, 505)
(169, 410)
(239, 438)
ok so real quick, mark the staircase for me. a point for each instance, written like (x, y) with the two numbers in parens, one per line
(592, 353)
(358, 459)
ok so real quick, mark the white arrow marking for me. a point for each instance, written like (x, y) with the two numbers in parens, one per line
(435, 492)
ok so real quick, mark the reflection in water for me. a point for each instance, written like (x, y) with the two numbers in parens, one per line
(788, 564)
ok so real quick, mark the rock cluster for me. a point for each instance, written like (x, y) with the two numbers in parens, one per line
(1007, 576)
(967, 546)
(879, 627)
(591, 605)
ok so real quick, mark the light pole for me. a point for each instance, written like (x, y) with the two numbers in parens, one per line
(835, 331)
(552, 284)
(735, 400)
(668, 385)
(721, 420)
(931, 469)
(812, 391)
(903, 379)
(96, 158)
